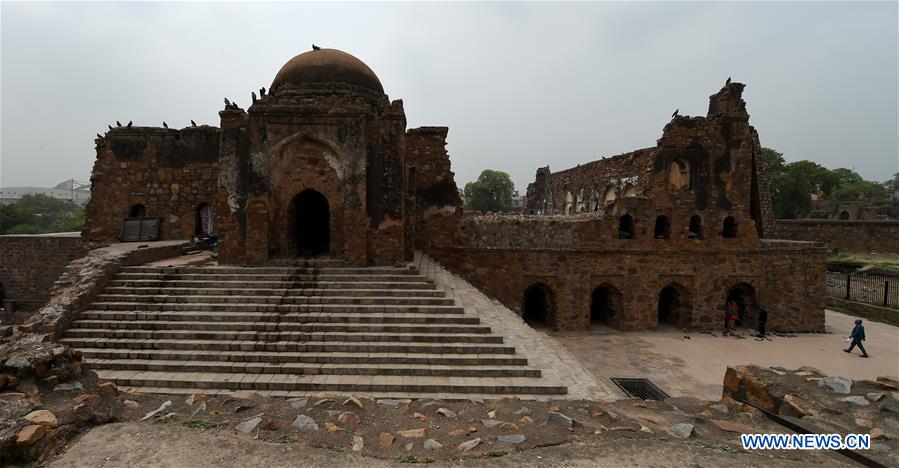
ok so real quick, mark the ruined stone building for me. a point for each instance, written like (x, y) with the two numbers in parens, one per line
(323, 164)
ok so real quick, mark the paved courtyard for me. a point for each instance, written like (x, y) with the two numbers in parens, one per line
(695, 366)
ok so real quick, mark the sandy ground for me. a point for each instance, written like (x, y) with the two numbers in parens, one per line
(693, 367)
(135, 444)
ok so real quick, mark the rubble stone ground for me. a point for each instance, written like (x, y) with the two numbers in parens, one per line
(691, 364)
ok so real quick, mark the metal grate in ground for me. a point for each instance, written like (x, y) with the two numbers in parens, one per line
(640, 388)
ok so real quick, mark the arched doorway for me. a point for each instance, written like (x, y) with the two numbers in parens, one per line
(538, 306)
(695, 230)
(674, 306)
(729, 229)
(605, 306)
(663, 228)
(747, 304)
(626, 227)
(844, 215)
(309, 227)
(203, 224)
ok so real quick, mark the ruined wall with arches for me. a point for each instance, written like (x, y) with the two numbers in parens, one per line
(152, 172)
(646, 289)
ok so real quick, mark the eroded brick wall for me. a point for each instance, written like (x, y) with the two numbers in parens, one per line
(170, 172)
(29, 265)
(787, 279)
(437, 207)
(849, 236)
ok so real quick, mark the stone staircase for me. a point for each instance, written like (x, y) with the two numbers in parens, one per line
(295, 329)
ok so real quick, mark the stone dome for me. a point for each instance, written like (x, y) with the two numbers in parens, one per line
(318, 69)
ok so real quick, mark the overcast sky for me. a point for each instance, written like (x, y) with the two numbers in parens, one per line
(519, 85)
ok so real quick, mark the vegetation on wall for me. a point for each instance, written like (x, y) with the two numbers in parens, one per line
(792, 185)
(491, 192)
(39, 214)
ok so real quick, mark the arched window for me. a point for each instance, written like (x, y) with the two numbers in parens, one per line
(569, 203)
(663, 228)
(844, 215)
(538, 307)
(137, 211)
(679, 174)
(594, 202)
(629, 191)
(729, 229)
(626, 227)
(695, 231)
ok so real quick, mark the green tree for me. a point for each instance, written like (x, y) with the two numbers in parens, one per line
(69, 222)
(491, 192)
(12, 215)
(24, 229)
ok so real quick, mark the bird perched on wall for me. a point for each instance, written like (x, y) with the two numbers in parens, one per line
(727, 82)
(110, 127)
(227, 103)
(253, 95)
(315, 47)
(99, 136)
(165, 125)
(118, 124)
(129, 124)
(675, 113)
(193, 124)
(262, 91)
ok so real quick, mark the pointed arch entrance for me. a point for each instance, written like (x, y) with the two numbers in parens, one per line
(309, 226)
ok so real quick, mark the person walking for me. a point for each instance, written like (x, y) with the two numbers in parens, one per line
(763, 319)
(857, 336)
(730, 316)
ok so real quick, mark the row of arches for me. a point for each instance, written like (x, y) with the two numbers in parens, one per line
(580, 203)
(662, 227)
(674, 305)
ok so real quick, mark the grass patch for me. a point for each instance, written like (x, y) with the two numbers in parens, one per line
(412, 459)
(497, 453)
(200, 424)
(883, 261)
(843, 310)
(709, 445)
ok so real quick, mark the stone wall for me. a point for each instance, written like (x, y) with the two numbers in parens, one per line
(169, 172)
(432, 197)
(30, 264)
(849, 236)
(787, 278)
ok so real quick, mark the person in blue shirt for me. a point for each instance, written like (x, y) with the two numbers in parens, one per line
(858, 335)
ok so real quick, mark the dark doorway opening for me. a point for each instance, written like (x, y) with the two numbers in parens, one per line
(137, 211)
(626, 227)
(747, 304)
(729, 230)
(310, 224)
(844, 215)
(604, 306)
(203, 224)
(674, 306)
(695, 231)
(663, 228)
(538, 306)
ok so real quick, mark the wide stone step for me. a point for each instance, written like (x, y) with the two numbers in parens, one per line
(316, 285)
(310, 347)
(324, 383)
(286, 317)
(295, 279)
(450, 397)
(311, 358)
(246, 291)
(277, 336)
(243, 307)
(309, 327)
(312, 369)
(272, 270)
(230, 299)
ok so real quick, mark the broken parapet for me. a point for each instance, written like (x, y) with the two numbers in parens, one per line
(728, 102)
(82, 280)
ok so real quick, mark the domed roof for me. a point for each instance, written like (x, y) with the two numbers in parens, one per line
(326, 66)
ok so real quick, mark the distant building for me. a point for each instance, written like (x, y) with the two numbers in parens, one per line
(517, 201)
(71, 190)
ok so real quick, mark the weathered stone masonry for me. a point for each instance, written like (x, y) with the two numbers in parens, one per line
(29, 265)
(849, 236)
